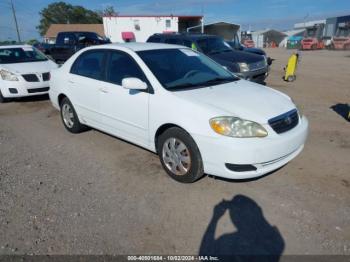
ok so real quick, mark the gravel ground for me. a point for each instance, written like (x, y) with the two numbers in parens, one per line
(94, 194)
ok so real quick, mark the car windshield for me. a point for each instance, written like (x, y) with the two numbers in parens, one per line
(181, 69)
(21, 55)
(212, 45)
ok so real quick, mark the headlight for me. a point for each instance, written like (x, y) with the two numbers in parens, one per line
(243, 67)
(8, 76)
(236, 127)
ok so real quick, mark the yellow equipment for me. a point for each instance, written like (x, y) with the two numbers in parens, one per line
(291, 68)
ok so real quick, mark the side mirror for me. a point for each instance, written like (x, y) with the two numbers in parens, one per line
(134, 83)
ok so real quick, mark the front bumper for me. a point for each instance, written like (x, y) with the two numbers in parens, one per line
(22, 88)
(257, 76)
(265, 154)
(307, 46)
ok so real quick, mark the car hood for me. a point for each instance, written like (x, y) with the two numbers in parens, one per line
(257, 51)
(236, 57)
(243, 99)
(30, 67)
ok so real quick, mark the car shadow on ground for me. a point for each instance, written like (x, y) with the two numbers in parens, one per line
(254, 239)
(342, 110)
(30, 99)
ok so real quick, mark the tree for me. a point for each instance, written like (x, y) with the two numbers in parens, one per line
(32, 41)
(63, 13)
(108, 11)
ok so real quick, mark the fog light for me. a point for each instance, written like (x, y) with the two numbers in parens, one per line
(13, 90)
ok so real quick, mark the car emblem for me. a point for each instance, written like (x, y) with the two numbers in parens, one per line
(288, 120)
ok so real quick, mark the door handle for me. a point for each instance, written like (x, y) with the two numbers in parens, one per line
(102, 90)
(71, 81)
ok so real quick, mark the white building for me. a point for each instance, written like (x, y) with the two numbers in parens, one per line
(267, 38)
(139, 28)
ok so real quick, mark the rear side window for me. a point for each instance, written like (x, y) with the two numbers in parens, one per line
(66, 39)
(90, 64)
(121, 66)
(153, 39)
(188, 43)
(174, 41)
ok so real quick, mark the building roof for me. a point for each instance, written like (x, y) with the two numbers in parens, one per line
(135, 46)
(294, 32)
(54, 29)
(170, 15)
(269, 31)
(308, 24)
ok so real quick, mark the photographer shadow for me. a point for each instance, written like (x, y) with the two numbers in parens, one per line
(254, 237)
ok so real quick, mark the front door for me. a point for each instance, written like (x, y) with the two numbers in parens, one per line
(125, 112)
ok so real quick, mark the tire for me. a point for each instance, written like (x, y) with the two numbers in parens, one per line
(2, 98)
(291, 78)
(186, 170)
(70, 118)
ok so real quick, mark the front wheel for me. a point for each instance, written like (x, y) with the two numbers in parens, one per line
(70, 118)
(180, 156)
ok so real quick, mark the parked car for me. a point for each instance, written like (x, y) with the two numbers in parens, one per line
(24, 71)
(68, 43)
(245, 65)
(258, 51)
(196, 115)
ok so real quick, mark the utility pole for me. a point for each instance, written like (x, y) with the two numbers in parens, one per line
(15, 18)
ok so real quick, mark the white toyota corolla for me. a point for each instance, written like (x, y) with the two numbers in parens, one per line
(24, 71)
(197, 116)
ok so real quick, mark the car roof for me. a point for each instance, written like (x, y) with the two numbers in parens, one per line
(135, 46)
(13, 46)
(185, 36)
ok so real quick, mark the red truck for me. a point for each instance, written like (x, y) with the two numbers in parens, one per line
(342, 39)
(313, 38)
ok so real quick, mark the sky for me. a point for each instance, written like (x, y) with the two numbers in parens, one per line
(251, 14)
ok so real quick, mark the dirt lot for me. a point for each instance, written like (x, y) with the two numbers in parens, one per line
(94, 194)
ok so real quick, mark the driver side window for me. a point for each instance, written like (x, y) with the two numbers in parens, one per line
(121, 66)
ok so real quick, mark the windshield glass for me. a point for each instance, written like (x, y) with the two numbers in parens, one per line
(179, 69)
(311, 32)
(21, 55)
(213, 45)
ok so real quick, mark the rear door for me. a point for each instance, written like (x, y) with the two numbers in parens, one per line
(86, 84)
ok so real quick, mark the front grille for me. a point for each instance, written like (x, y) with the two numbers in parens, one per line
(285, 122)
(31, 78)
(38, 90)
(46, 76)
(257, 65)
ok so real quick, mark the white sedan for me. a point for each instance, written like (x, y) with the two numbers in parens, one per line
(196, 115)
(24, 71)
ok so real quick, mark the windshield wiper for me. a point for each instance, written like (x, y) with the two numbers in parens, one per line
(218, 80)
(183, 86)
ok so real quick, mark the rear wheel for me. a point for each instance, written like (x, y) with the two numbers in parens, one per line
(180, 155)
(70, 118)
